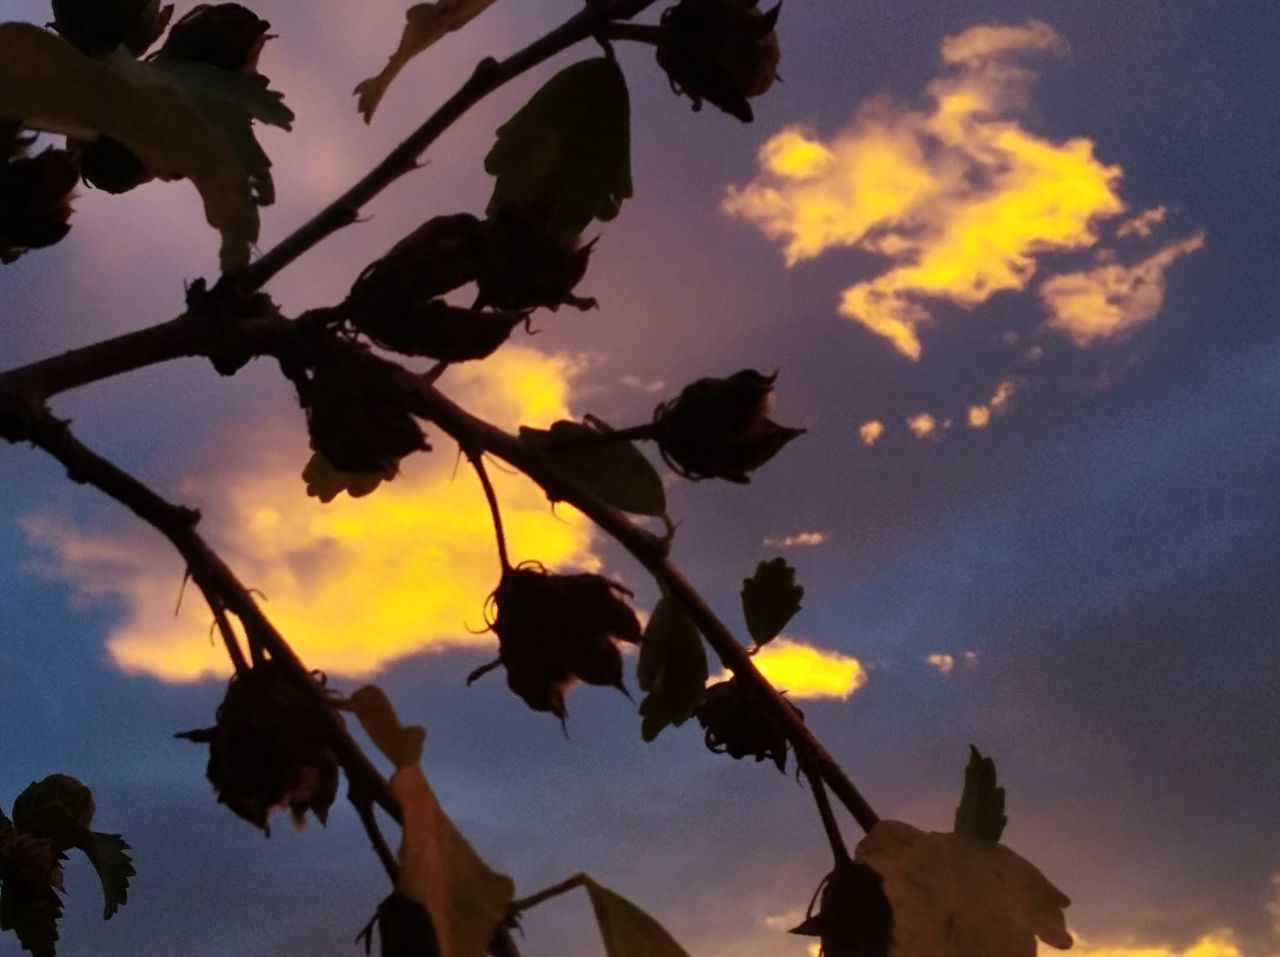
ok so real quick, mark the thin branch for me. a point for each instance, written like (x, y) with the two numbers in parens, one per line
(555, 890)
(229, 638)
(495, 511)
(364, 809)
(488, 76)
(636, 32)
(829, 823)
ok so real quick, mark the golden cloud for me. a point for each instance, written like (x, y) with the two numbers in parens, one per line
(1219, 943)
(354, 584)
(869, 432)
(1111, 299)
(925, 425)
(1144, 224)
(959, 196)
(805, 671)
(797, 540)
(1001, 400)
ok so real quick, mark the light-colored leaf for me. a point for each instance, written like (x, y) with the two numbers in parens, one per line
(326, 482)
(954, 896)
(181, 122)
(425, 23)
(440, 870)
(626, 929)
(401, 745)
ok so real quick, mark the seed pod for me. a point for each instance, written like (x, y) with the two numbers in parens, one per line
(719, 428)
(527, 269)
(97, 27)
(270, 749)
(721, 51)
(736, 724)
(109, 165)
(854, 918)
(35, 201)
(439, 331)
(225, 35)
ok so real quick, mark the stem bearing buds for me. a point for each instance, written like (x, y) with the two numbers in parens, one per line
(854, 918)
(35, 196)
(97, 27)
(737, 725)
(554, 630)
(719, 428)
(721, 51)
(225, 35)
(358, 413)
(270, 748)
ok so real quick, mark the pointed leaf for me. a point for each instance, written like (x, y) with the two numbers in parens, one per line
(440, 870)
(402, 745)
(326, 482)
(618, 472)
(177, 120)
(566, 154)
(425, 24)
(953, 896)
(32, 917)
(106, 852)
(672, 668)
(980, 814)
(627, 930)
(770, 599)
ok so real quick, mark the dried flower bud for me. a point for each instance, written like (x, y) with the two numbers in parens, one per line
(358, 414)
(554, 630)
(440, 331)
(35, 202)
(270, 748)
(527, 269)
(34, 862)
(109, 165)
(854, 918)
(719, 428)
(722, 51)
(97, 27)
(225, 35)
(737, 725)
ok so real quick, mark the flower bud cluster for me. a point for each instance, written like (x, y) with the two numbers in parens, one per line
(738, 725)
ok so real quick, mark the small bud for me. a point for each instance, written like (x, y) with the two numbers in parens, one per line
(270, 749)
(442, 254)
(109, 165)
(438, 331)
(737, 725)
(719, 428)
(722, 51)
(225, 35)
(527, 269)
(97, 27)
(35, 201)
(854, 918)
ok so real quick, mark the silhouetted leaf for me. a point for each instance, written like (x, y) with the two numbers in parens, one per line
(32, 917)
(618, 472)
(326, 482)
(566, 155)
(425, 24)
(953, 896)
(672, 668)
(186, 121)
(627, 930)
(980, 814)
(770, 599)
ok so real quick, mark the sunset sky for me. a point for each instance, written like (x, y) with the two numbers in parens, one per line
(1017, 264)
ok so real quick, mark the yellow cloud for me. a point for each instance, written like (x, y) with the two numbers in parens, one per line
(1001, 400)
(869, 432)
(798, 539)
(1111, 299)
(924, 425)
(353, 584)
(1144, 224)
(943, 662)
(805, 671)
(959, 197)
(1219, 943)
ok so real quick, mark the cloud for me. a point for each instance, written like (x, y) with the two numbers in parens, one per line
(1111, 299)
(959, 197)
(926, 425)
(805, 671)
(1273, 905)
(999, 404)
(797, 540)
(945, 663)
(1219, 943)
(354, 584)
(869, 432)
(1144, 224)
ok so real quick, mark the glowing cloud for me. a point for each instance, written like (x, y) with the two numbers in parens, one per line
(980, 416)
(1219, 943)
(354, 584)
(804, 671)
(925, 425)
(959, 196)
(797, 540)
(946, 663)
(1144, 224)
(869, 432)
(1111, 299)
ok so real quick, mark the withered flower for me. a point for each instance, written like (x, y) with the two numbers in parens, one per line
(97, 27)
(270, 748)
(440, 331)
(526, 268)
(854, 917)
(35, 200)
(737, 724)
(721, 51)
(554, 630)
(720, 428)
(226, 35)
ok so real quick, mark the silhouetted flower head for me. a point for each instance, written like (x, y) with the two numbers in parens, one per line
(737, 725)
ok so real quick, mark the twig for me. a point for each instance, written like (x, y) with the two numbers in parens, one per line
(477, 462)
(636, 32)
(555, 890)
(829, 823)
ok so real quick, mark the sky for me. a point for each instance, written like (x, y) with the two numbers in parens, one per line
(1015, 264)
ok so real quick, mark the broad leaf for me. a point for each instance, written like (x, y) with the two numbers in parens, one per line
(32, 917)
(61, 809)
(770, 599)
(627, 930)
(425, 24)
(401, 745)
(181, 121)
(326, 482)
(953, 896)
(618, 472)
(672, 668)
(980, 814)
(566, 155)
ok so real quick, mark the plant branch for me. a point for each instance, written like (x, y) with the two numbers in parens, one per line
(829, 823)
(555, 890)
(476, 459)
(636, 32)
(489, 75)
